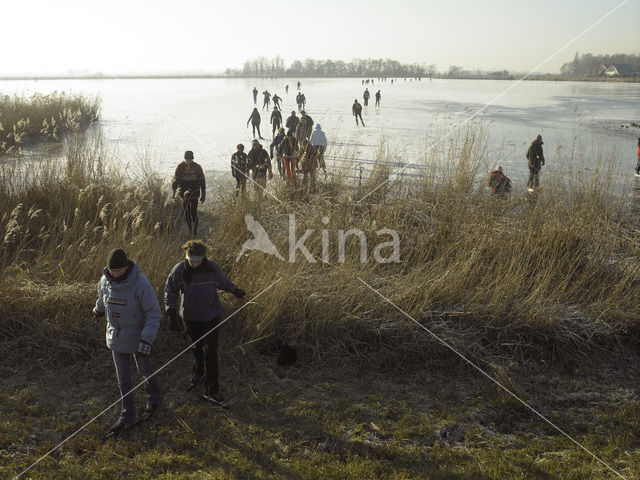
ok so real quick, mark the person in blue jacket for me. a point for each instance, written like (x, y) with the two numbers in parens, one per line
(130, 305)
(191, 294)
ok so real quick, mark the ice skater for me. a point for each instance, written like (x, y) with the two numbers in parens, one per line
(356, 110)
(255, 123)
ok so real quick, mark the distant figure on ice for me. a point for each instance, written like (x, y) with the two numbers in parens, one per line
(255, 123)
(292, 123)
(299, 101)
(255, 95)
(378, 96)
(535, 158)
(276, 120)
(356, 109)
(267, 99)
(286, 89)
(189, 183)
(304, 100)
(240, 168)
(366, 96)
(276, 101)
(638, 164)
(299, 84)
(498, 182)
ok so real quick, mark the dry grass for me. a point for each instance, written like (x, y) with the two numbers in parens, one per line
(553, 273)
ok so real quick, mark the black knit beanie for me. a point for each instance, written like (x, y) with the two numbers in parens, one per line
(117, 259)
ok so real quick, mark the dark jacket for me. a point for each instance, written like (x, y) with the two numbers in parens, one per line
(254, 118)
(195, 290)
(292, 123)
(239, 164)
(356, 109)
(277, 140)
(288, 147)
(259, 162)
(276, 117)
(188, 177)
(535, 156)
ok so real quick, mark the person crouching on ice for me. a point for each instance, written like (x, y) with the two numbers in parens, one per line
(130, 304)
(191, 293)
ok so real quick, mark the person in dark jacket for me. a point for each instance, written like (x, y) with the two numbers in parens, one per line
(288, 149)
(276, 120)
(130, 305)
(356, 110)
(378, 97)
(240, 168)
(255, 95)
(255, 122)
(259, 164)
(365, 96)
(276, 101)
(535, 158)
(292, 123)
(267, 99)
(277, 140)
(299, 101)
(191, 295)
(189, 183)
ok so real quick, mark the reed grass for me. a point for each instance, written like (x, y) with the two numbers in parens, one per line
(553, 273)
(44, 118)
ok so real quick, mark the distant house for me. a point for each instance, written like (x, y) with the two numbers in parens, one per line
(620, 70)
(602, 70)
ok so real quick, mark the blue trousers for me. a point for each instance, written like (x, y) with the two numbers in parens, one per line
(122, 362)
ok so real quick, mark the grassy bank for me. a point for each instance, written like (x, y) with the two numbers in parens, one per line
(43, 118)
(531, 287)
(551, 273)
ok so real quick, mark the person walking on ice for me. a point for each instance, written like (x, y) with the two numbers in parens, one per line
(254, 118)
(378, 96)
(130, 305)
(535, 158)
(365, 96)
(356, 110)
(191, 295)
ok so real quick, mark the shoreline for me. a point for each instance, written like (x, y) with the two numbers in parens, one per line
(546, 78)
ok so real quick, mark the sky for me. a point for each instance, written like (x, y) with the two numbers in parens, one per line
(152, 36)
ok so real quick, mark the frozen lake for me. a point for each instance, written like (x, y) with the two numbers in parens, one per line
(161, 118)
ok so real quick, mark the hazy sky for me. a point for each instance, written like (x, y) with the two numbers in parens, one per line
(118, 36)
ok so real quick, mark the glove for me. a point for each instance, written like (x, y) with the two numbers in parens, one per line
(202, 197)
(239, 293)
(144, 349)
(97, 314)
(174, 320)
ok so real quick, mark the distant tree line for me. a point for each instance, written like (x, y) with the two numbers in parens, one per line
(588, 65)
(369, 67)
